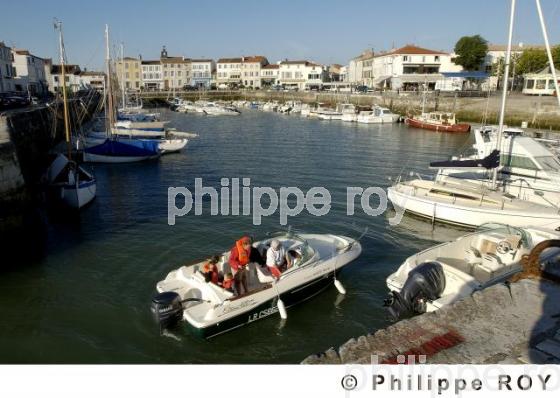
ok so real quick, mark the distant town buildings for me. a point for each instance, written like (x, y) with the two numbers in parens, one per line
(201, 72)
(401, 69)
(301, 75)
(6, 69)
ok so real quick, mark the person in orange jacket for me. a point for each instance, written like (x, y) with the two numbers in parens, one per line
(228, 281)
(239, 259)
(210, 270)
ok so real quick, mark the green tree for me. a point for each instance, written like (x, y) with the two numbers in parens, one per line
(471, 51)
(532, 60)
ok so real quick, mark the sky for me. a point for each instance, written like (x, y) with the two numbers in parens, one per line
(322, 31)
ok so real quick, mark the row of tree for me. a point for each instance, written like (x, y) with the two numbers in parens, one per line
(471, 52)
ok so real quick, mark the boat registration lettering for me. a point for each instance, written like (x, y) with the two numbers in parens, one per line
(262, 314)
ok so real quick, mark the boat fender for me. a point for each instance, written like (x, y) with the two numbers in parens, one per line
(282, 309)
(339, 286)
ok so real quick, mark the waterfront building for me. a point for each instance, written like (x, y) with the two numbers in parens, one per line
(360, 69)
(301, 75)
(251, 71)
(92, 80)
(29, 73)
(269, 75)
(176, 71)
(540, 83)
(409, 68)
(344, 73)
(72, 77)
(130, 69)
(152, 77)
(7, 72)
(228, 72)
(201, 72)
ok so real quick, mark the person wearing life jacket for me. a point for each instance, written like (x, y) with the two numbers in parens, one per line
(228, 281)
(276, 258)
(239, 259)
(210, 270)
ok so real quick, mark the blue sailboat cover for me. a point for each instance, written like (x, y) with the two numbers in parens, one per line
(116, 148)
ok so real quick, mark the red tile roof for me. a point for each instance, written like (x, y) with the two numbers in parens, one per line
(410, 49)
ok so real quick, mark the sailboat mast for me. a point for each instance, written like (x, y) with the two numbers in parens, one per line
(548, 52)
(109, 92)
(122, 77)
(58, 25)
(504, 90)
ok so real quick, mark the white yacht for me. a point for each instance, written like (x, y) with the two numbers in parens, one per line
(528, 169)
(453, 270)
(469, 204)
(377, 115)
(348, 113)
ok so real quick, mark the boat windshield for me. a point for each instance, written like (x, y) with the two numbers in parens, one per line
(548, 163)
(506, 230)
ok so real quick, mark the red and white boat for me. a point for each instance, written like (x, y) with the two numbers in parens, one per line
(438, 121)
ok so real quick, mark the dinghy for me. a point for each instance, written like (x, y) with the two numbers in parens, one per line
(448, 272)
(211, 310)
(70, 182)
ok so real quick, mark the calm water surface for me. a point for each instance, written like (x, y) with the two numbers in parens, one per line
(86, 298)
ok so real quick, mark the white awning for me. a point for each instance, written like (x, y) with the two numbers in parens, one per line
(380, 79)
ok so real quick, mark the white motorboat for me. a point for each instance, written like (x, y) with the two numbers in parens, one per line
(305, 110)
(349, 113)
(172, 145)
(469, 204)
(377, 115)
(328, 114)
(211, 310)
(213, 109)
(528, 169)
(450, 271)
(72, 184)
(270, 107)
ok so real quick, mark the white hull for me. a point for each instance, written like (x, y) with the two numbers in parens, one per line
(93, 158)
(469, 215)
(79, 195)
(377, 119)
(475, 261)
(174, 145)
(223, 306)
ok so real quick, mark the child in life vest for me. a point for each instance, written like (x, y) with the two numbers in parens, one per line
(228, 281)
(210, 270)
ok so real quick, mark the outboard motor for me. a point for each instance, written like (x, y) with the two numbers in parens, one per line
(167, 309)
(426, 282)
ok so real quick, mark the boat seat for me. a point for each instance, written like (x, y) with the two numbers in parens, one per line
(473, 256)
(264, 275)
(489, 268)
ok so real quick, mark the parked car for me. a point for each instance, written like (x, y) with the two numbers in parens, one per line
(362, 89)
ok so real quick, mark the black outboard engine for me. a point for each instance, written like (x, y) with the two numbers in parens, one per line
(167, 309)
(426, 282)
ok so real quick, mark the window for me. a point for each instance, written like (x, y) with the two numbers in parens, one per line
(137, 84)
(548, 163)
(529, 83)
(541, 84)
(518, 161)
(137, 75)
(436, 58)
(126, 65)
(405, 58)
(127, 75)
(551, 84)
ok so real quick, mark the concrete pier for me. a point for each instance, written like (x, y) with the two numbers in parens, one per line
(509, 324)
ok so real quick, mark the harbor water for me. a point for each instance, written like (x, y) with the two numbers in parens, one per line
(81, 290)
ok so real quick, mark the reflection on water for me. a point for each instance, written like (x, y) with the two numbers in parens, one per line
(86, 300)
